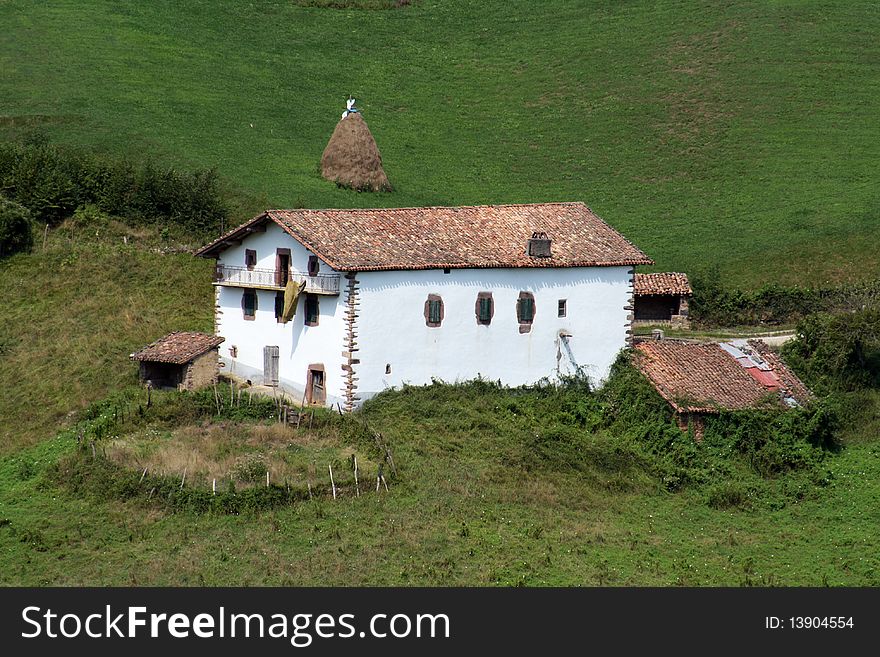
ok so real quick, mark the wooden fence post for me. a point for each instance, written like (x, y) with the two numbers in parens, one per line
(357, 486)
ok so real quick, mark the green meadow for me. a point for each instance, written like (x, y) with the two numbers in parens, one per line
(741, 135)
(738, 134)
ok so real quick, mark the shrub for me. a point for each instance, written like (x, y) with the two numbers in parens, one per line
(839, 351)
(53, 181)
(713, 304)
(16, 228)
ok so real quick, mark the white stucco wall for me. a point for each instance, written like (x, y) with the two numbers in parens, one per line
(392, 330)
(299, 345)
(391, 325)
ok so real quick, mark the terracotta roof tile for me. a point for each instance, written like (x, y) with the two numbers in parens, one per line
(178, 348)
(668, 282)
(705, 378)
(454, 237)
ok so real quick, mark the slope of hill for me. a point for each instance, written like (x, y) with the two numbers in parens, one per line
(75, 310)
(743, 134)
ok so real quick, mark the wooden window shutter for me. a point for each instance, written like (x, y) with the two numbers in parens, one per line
(525, 311)
(249, 303)
(485, 308)
(434, 311)
(270, 364)
(312, 311)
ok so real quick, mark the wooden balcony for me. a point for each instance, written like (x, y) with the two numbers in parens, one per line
(271, 279)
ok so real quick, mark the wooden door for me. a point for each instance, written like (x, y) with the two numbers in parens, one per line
(316, 391)
(270, 365)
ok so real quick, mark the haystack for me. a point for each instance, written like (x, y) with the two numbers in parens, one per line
(352, 158)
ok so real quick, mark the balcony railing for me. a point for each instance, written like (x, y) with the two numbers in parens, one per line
(271, 279)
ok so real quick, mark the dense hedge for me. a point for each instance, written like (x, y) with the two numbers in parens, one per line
(838, 351)
(714, 304)
(53, 181)
(16, 228)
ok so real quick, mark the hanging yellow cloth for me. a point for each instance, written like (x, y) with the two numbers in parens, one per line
(291, 298)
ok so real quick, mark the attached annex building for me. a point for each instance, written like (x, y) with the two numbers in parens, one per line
(515, 293)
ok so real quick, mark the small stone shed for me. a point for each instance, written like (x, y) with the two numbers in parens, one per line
(185, 360)
(702, 379)
(662, 298)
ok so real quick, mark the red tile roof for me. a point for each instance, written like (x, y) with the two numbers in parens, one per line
(704, 378)
(662, 283)
(456, 237)
(178, 348)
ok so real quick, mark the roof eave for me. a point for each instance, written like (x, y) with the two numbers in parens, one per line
(212, 249)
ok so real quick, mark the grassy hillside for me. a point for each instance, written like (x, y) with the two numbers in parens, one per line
(743, 134)
(73, 313)
(477, 501)
(474, 504)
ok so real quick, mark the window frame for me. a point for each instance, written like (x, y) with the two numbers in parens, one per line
(250, 259)
(525, 325)
(480, 297)
(314, 265)
(282, 276)
(433, 299)
(249, 291)
(308, 318)
(562, 308)
(279, 306)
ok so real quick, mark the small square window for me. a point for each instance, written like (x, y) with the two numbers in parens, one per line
(563, 307)
(311, 312)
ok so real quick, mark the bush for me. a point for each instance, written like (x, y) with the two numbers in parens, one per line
(839, 351)
(53, 181)
(713, 304)
(16, 228)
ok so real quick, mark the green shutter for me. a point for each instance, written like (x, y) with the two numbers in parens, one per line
(528, 309)
(485, 309)
(434, 311)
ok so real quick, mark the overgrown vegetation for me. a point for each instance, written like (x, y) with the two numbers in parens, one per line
(716, 304)
(54, 181)
(219, 449)
(838, 351)
(542, 485)
(16, 228)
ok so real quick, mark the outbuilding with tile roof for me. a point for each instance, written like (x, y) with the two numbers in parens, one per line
(662, 298)
(705, 378)
(186, 360)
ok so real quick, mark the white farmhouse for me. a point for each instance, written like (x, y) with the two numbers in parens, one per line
(514, 293)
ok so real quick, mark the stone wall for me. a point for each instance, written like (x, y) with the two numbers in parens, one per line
(201, 371)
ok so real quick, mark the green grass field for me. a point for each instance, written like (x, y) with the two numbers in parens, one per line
(741, 134)
(463, 511)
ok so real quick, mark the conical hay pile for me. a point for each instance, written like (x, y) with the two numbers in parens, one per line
(352, 158)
